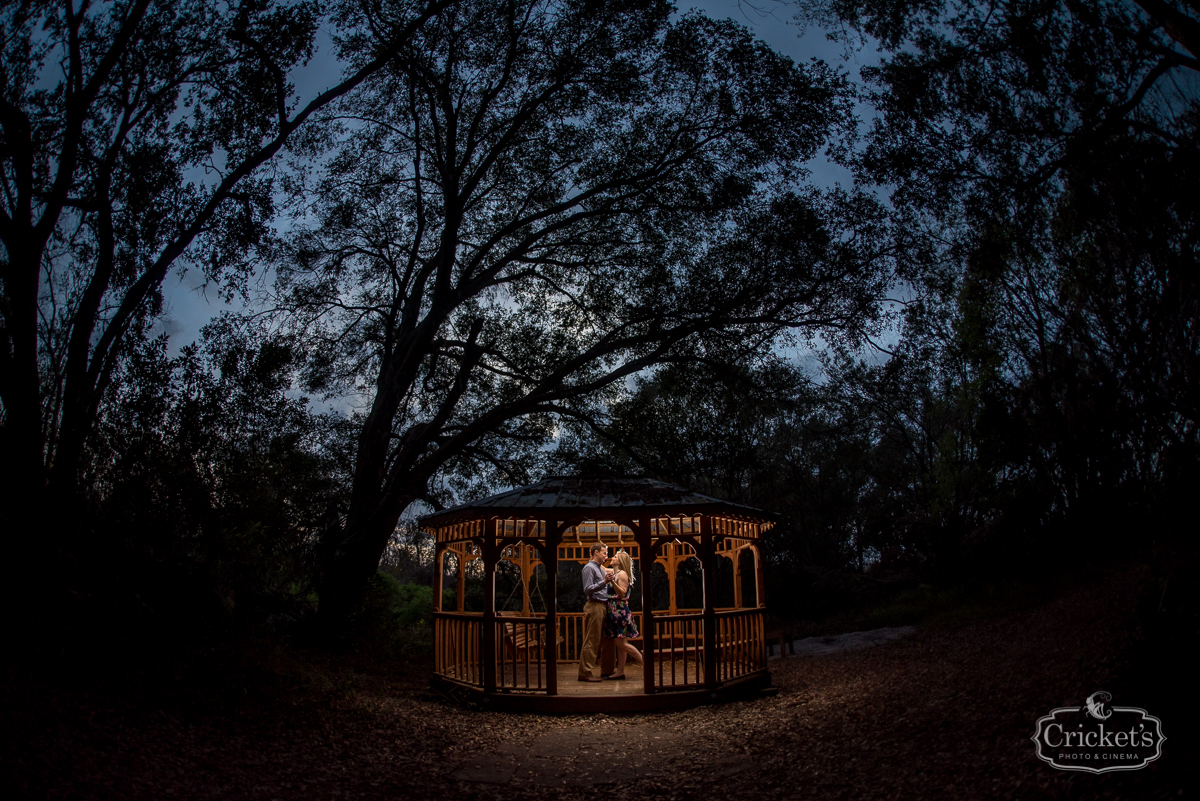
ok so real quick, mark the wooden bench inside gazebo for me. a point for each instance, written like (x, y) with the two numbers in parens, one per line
(527, 659)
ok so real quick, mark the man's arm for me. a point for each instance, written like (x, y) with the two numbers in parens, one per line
(593, 578)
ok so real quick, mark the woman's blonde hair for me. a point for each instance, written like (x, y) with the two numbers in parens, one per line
(626, 563)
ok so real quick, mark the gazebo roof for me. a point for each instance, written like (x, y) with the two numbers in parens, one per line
(598, 497)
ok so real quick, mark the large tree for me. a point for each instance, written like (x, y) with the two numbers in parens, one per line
(137, 137)
(1050, 152)
(539, 201)
(1042, 159)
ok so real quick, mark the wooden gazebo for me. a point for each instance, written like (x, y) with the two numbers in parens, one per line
(513, 658)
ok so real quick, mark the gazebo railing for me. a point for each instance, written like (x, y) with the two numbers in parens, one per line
(458, 648)
(741, 647)
(570, 633)
(678, 651)
(521, 653)
(520, 658)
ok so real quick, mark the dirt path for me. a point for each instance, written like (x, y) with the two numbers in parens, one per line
(935, 714)
(839, 643)
(576, 756)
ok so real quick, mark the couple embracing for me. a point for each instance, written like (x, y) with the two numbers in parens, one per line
(607, 611)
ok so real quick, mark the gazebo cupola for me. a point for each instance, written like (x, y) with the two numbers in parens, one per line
(699, 643)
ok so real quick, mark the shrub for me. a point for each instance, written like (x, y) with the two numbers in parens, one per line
(396, 619)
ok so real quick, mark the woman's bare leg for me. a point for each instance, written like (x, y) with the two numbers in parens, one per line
(632, 651)
(621, 655)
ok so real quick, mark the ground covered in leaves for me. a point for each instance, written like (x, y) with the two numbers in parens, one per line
(946, 712)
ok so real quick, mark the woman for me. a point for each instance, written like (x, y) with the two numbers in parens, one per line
(618, 621)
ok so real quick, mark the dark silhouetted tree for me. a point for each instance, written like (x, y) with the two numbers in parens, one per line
(138, 137)
(539, 201)
(1047, 150)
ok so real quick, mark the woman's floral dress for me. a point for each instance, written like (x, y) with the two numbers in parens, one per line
(618, 620)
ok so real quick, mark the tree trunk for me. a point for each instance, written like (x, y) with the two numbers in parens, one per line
(33, 528)
(24, 476)
(349, 554)
(349, 557)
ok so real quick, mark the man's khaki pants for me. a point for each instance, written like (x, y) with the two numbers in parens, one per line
(593, 626)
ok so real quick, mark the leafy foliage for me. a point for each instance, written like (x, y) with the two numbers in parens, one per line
(1044, 157)
(537, 201)
(396, 620)
(209, 477)
(138, 137)
(561, 235)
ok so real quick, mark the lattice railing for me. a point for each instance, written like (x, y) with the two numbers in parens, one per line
(678, 651)
(521, 653)
(741, 647)
(458, 651)
(678, 654)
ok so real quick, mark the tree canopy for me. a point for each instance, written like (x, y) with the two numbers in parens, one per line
(1038, 161)
(534, 235)
(138, 137)
(535, 202)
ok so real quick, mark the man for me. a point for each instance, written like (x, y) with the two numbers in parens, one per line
(595, 590)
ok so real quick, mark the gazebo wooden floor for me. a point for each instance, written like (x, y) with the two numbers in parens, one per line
(575, 696)
(568, 683)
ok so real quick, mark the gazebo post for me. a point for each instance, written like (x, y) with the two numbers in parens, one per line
(525, 577)
(708, 564)
(553, 532)
(460, 590)
(737, 578)
(491, 555)
(672, 556)
(439, 569)
(759, 590)
(641, 532)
